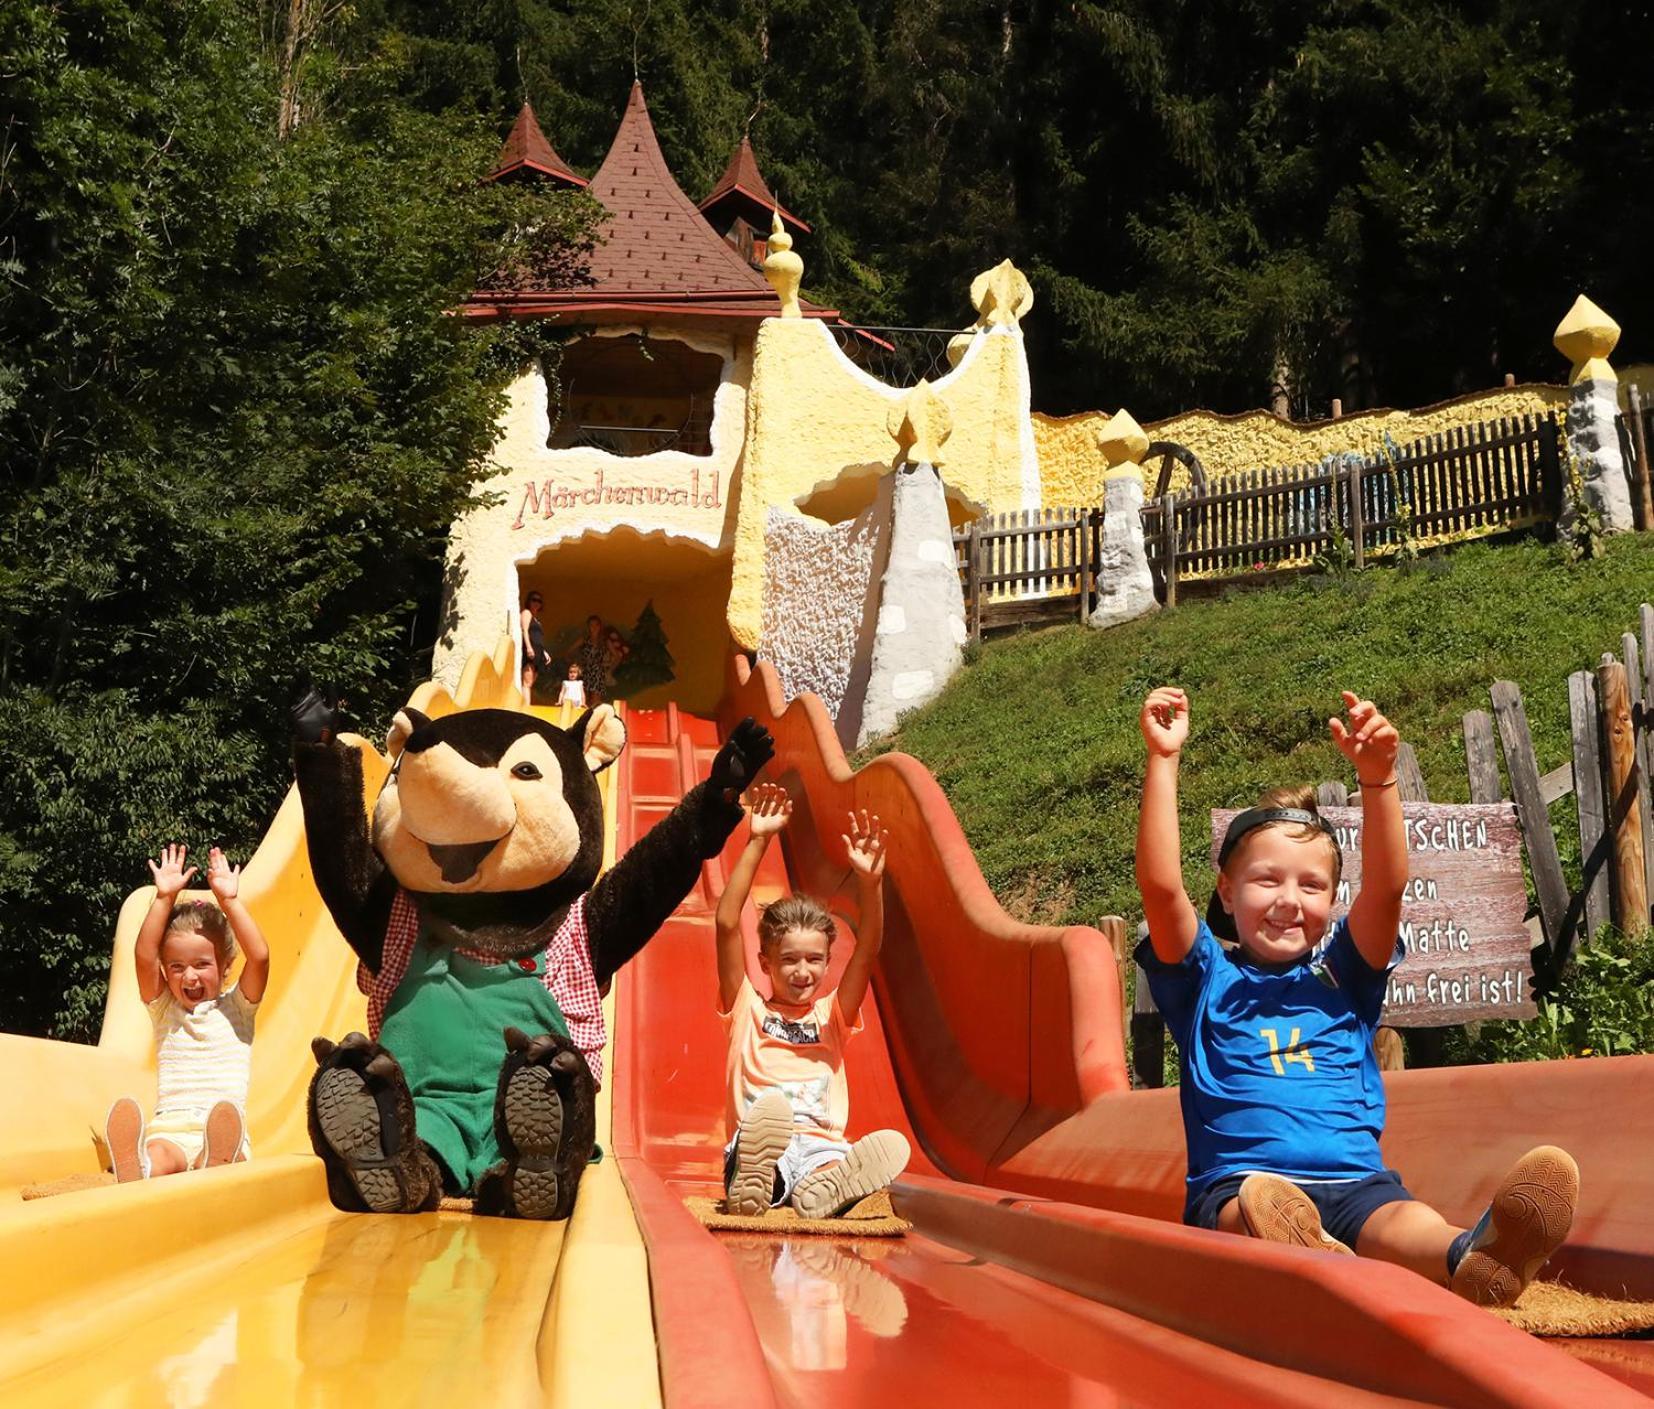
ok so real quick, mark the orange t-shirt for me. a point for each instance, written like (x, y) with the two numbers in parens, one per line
(795, 1048)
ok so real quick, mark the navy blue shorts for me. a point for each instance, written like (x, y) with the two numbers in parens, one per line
(1345, 1207)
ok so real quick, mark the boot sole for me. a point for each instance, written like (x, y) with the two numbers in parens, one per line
(1529, 1218)
(1278, 1211)
(873, 1161)
(766, 1131)
(534, 1122)
(348, 1116)
(124, 1130)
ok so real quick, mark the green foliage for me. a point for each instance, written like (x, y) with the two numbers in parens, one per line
(237, 423)
(1603, 1006)
(1052, 715)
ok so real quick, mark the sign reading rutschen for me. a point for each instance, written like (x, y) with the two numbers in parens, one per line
(1461, 916)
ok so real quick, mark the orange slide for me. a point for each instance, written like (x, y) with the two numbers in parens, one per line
(1046, 1265)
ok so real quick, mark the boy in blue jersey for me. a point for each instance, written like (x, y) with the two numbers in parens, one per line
(1282, 1100)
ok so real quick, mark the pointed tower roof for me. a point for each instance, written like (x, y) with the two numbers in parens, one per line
(742, 191)
(657, 255)
(526, 151)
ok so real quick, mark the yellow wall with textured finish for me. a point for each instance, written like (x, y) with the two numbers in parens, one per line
(1072, 467)
(814, 417)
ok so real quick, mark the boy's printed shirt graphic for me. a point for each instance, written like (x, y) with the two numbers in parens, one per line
(798, 1034)
(1276, 1062)
(793, 1048)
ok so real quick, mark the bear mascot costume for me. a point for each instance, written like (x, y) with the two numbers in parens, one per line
(484, 942)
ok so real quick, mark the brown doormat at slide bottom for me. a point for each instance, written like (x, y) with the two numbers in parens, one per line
(873, 1217)
(68, 1184)
(1549, 1309)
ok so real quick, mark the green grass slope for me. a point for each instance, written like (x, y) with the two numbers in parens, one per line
(1036, 740)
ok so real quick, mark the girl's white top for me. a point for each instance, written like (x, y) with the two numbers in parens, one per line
(203, 1054)
(573, 692)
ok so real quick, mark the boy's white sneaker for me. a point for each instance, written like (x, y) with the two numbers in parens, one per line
(1529, 1217)
(1278, 1211)
(762, 1138)
(872, 1163)
(123, 1129)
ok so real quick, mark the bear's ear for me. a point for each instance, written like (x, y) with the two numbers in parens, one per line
(406, 721)
(601, 735)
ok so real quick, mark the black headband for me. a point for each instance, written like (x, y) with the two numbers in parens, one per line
(1222, 923)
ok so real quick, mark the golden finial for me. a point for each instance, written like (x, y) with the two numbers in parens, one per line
(1585, 337)
(1001, 296)
(920, 422)
(1122, 441)
(783, 268)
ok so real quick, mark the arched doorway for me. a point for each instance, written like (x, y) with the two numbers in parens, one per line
(667, 597)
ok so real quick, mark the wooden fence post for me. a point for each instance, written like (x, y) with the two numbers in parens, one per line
(1168, 545)
(1148, 1035)
(1642, 499)
(1550, 465)
(1481, 760)
(1357, 516)
(973, 580)
(1331, 795)
(1082, 555)
(1586, 728)
(1114, 930)
(1639, 742)
(1624, 815)
(1409, 776)
(1520, 764)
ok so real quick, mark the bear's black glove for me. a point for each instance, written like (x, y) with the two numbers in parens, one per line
(315, 714)
(745, 752)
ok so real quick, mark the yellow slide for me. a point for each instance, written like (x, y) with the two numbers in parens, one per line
(243, 1285)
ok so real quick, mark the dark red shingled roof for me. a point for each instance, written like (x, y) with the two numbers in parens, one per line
(741, 190)
(526, 149)
(658, 254)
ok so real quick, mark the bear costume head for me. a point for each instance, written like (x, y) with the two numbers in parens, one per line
(494, 819)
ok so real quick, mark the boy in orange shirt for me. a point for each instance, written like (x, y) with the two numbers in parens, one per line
(788, 1099)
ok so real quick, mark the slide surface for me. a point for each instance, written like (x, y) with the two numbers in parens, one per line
(1046, 1261)
(243, 1285)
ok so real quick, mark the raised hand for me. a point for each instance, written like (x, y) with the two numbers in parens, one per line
(1165, 720)
(1369, 741)
(170, 875)
(866, 842)
(223, 878)
(743, 756)
(769, 808)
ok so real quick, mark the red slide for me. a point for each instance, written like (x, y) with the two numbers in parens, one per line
(1046, 1266)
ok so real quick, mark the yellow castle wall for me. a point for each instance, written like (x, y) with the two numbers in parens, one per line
(1072, 468)
(814, 418)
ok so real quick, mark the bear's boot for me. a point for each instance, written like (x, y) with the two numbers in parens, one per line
(362, 1126)
(545, 1120)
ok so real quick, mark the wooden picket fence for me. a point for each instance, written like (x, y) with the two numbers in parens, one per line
(1636, 428)
(1611, 722)
(1468, 481)
(1028, 566)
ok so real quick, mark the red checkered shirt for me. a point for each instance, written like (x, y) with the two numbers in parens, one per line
(568, 976)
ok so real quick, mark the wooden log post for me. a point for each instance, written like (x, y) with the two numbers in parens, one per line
(1585, 726)
(1428, 1045)
(1114, 930)
(1481, 757)
(1331, 795)
(1409, 776)
(973, 579)
(1523, 771)
(1642, 497)
(1082, 556)
(1168, 546)
(1148, 1036)
(1358, 528)
(1632, 657)
(1630, 890)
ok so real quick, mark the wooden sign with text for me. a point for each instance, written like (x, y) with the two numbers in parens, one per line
(1461, 918)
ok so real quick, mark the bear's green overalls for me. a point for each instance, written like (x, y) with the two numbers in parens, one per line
(445, 1025)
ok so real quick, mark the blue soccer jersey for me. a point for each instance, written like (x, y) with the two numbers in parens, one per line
(1277, 1066)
